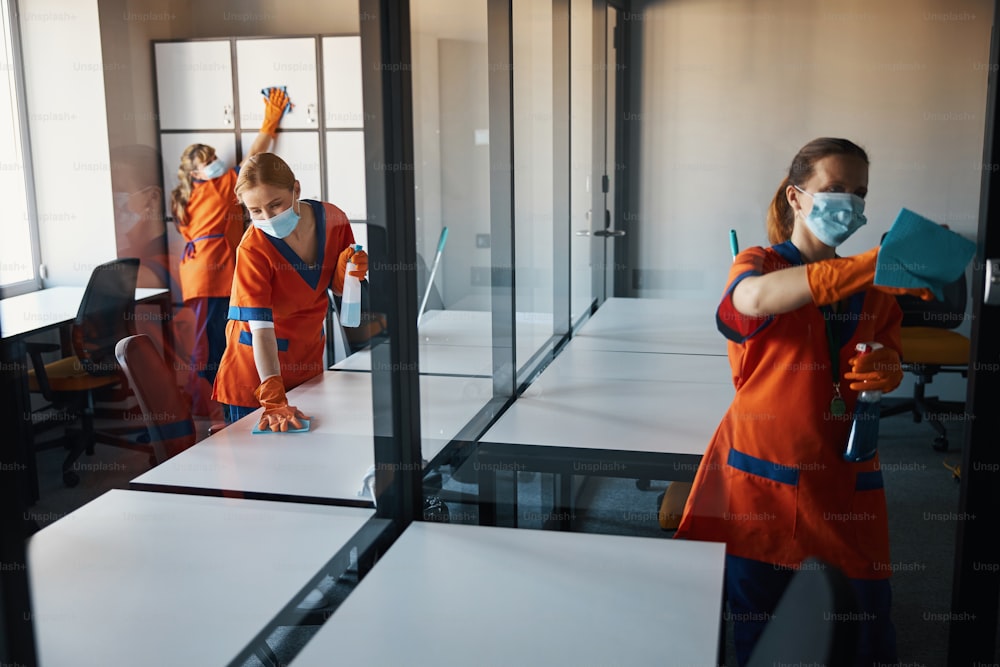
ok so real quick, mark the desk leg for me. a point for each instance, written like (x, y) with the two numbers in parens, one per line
(21, 453)
(487, 478)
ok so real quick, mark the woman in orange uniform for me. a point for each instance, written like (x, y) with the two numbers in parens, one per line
(284, 265)
(210, 219)
(774, 484)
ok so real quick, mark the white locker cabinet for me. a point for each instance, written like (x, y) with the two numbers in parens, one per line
(321, 139)
(345, 172)
(342, 96)
(301, 151)
(263, 63)
(194, 85)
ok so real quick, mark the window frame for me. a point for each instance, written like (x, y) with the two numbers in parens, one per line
(11, 17)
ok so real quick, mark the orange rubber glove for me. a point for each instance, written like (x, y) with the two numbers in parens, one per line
(878, 370)
(831, 280)
(274, 109)
(278, 415)
(920, 292)
(349, 254)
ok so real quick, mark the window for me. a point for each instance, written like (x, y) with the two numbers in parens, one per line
(18, 252)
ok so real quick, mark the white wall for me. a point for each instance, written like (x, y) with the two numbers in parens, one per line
(67, 124)
(729, 93)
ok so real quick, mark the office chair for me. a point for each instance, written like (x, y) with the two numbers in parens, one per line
(165, 410)
(931, 346)
(338, 347)
(815, 622)
(106, 314)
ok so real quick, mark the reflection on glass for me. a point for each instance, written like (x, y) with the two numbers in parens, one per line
(451, 117)
(582, 170)
(533, 176)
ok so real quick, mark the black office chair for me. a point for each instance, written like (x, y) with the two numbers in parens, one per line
(815, 622)
(931, 346)
(75, 383)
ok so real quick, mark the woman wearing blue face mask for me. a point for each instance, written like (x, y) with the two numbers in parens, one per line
(211, 221)
(285, 263)
(774, 484)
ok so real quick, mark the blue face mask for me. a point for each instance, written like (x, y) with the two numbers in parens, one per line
(214, 169)
(280, 225)
(834, 216)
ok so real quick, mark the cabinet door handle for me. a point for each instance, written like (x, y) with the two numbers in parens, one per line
(311, 113)
(227, 114)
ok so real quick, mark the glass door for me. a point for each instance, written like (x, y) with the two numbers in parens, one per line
(594, 74)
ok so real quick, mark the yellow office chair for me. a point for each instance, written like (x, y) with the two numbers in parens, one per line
(74, 383)
(931, 346)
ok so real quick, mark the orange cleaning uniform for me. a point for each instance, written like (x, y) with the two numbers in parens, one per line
(214, 229)
(272, 283)
(773, 483)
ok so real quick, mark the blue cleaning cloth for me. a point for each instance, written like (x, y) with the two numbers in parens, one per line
(305, 427)
(920, 253)
(266, 92)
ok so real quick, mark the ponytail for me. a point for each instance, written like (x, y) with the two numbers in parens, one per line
(181, 195)
(780, 216)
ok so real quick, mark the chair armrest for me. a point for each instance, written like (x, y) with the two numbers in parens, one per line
(35, 351)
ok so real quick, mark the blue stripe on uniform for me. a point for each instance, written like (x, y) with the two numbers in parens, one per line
(767, 469)
(246, 338)
(245, 314)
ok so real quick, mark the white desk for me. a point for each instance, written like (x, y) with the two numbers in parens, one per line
(675, 407)
(33, 312)
(468, 595)
(652, 325)
(434, 360)
(575, 362)
(326, 464)
(136, 578)
(460, 342)
(475, 328)
(609, 414)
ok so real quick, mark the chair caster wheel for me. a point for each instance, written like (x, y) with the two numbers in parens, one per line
(941, 444)
(70, 478)
(642, 484)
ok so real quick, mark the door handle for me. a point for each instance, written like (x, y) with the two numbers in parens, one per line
(608, 232)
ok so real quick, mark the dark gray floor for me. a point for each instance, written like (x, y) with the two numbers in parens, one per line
(922, 496)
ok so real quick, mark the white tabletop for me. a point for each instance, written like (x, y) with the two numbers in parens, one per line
(135, 578)
(582, 362)
(622, 401)
(33, 311)
(327, 463)
(475, 328)
(653, 325)
(470, 595)
(434, 360)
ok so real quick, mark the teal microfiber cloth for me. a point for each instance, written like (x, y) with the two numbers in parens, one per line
(305, 427)
(266, 92)
(919, 253)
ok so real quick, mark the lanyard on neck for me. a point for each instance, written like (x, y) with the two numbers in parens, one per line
(837, 404)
